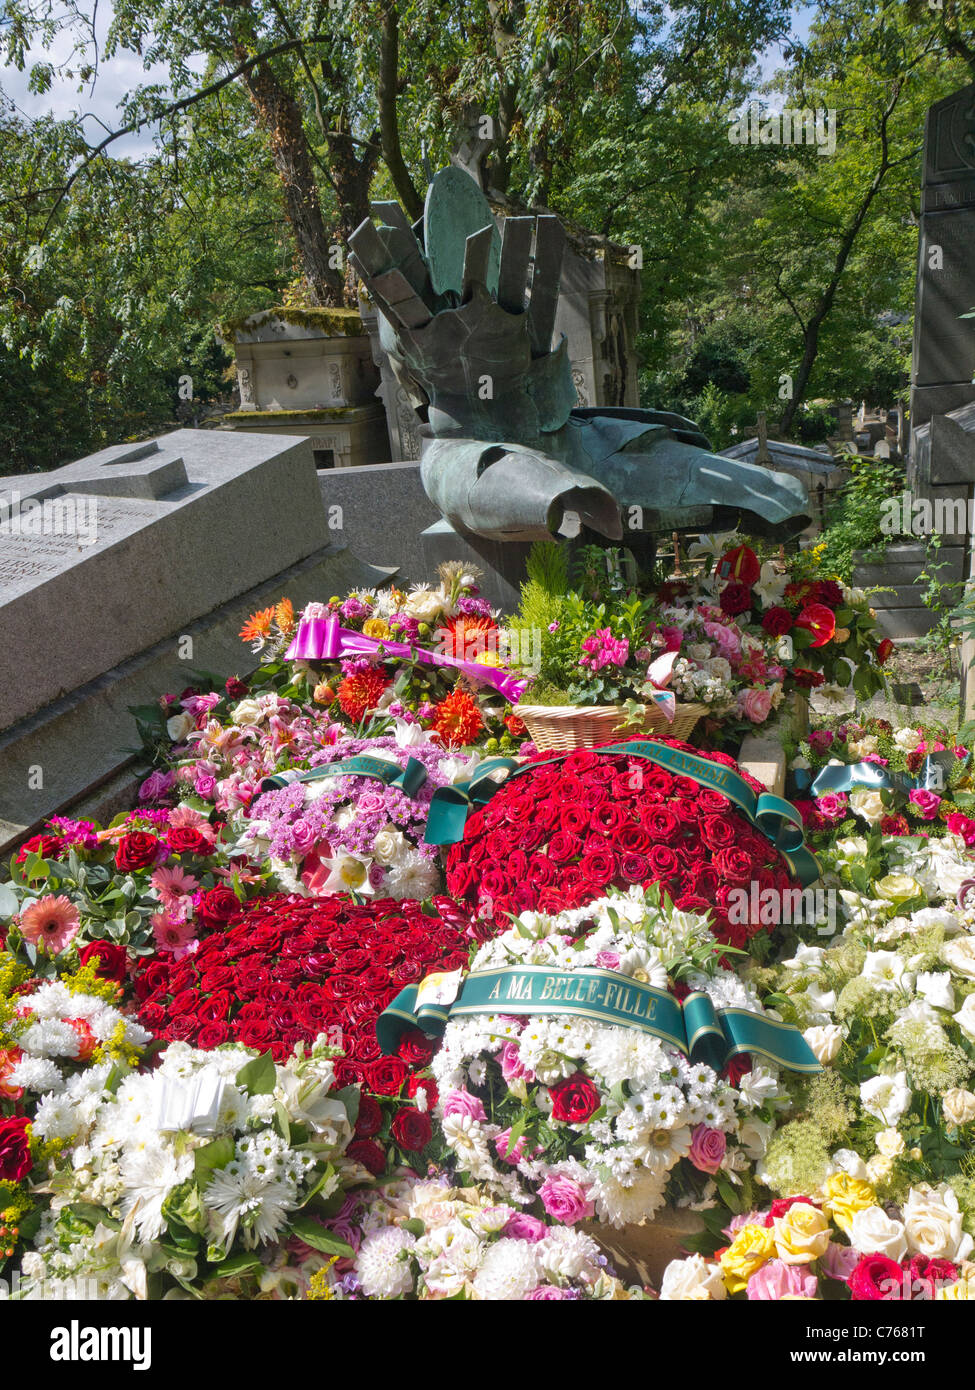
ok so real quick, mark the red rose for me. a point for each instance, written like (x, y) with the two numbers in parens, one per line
(369, 1121)
(211, 1035)
(574, 1099)
(562, 847)
(138, 851)
(884, 650)
(236, 689)
(663, 861)
(217, 906)
(717, 832)
(735, 598)
(829, 592)
(738, 1067)
(415, 1048)
(369, 1154)
(926, 1275)
(783, 1204)
(777, 621)
(110, 961)
(416, 1084)
(15, 1159)
(411, 1130)
(47, 846)
(807, 680)
(186, 839)
(386, 1076)
(876, 1278)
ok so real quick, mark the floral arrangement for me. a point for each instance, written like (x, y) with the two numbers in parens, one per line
(889, 1007)
(154, 881)
(557, 837)
(912, 803)
(209, 1175)
(292, 969)
(425, 1239)
(55, 1036)
(844, 1243)
(350, 833)
(448, 617)
(584, 1119)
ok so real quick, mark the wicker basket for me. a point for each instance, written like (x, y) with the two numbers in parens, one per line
(584, 726)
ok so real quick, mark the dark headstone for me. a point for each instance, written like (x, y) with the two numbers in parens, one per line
(944, 341)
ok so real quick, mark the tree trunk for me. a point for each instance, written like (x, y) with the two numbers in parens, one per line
(280, 114)
(386, 86)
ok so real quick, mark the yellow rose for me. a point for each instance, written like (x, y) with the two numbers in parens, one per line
(961, 1289)
(376, 628)
(897, 888)
(841, 635)
(750, 1249)
(801, 1235)
(845, 1196)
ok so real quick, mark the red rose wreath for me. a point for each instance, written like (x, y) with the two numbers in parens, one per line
(558, 837)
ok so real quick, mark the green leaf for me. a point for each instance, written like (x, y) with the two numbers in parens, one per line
(308, 1230)
(415, 1227)
(258, 1077)
(216, 1154)
(284, 1123)
(92, 1215)
(242, 1263)
(9, 902)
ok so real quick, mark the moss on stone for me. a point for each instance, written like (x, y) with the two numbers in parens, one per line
(337, 412)
(333, 323)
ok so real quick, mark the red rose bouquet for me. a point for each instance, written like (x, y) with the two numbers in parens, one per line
(560, 836)
(291, 969)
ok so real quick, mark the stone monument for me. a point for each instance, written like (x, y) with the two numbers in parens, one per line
(309, 372)
(943, 362)
(125, 572)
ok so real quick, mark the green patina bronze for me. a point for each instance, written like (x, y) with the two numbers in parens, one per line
(467, 318)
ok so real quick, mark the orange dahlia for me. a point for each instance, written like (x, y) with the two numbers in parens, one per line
(257, 625)
(361, 692)
(457, 719)
(468, 637)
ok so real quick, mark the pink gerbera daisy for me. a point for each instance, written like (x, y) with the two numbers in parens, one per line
(172, 935)
(184, 816)
(50, 923)
(170, 882)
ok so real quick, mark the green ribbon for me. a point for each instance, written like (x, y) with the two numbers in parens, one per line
(933, 776)
(408, 779)
(777, 819)
(696, 1028)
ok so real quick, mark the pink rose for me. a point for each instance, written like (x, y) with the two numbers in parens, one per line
(820, 739)
(608, 960)
(926, 802)
(206, 785)
(463, 1103)
(755, 704)
(502, 1144)
(777, 1278)
(832, 806)
(707, 1149)
(521, 1226)
(839, 1262)
(565, 1200)
(302, 834)
(512, 1068)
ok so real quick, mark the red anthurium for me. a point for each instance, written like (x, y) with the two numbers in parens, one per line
(819, 621)
(740, 564)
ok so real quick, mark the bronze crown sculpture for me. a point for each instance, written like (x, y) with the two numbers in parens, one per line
(505, 455)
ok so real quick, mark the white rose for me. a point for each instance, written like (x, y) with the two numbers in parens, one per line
(693, 1280)
(861, 747)
(873, 1232)
(867, 805)
(247, 712)
(960, 955)
(719, 669)
(849, 1161)
(390, 845)
(932, 1220)
(965, 1017)
(179, 725)
(886, 1097)
(425, 605)
(907, 739)
(890, 1143)
(879, 1169)
(935, 987)
(825, 1042)
(959, 1106)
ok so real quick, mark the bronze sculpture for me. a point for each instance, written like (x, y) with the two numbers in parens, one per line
(506, 456)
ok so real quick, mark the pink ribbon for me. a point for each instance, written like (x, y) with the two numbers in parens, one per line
(321, 639)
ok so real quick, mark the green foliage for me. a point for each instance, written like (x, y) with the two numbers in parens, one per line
(854, 515)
